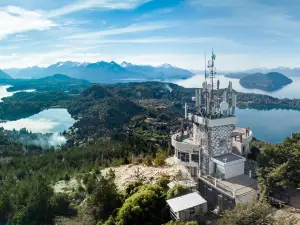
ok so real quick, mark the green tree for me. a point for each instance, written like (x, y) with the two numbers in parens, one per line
(133, 188)
(37, 208)
(104, 200)
(67, 177)
(60, 204)
(177, 190)
(256, 213)
(179, 222)
(147, 206)
(279, 166)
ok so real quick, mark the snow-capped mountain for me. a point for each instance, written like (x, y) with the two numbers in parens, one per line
(165, 71)
(103, 71)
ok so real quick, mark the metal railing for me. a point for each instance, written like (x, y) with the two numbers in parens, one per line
(229, 190)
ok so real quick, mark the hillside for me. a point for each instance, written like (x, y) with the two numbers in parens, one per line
(4, 75)
(103, 72)
(268, 82)
(57, 82)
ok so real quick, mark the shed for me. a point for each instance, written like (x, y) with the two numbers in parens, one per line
(229, 165)
(187, 207)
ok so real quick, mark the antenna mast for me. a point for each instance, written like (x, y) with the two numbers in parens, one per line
(211, 74)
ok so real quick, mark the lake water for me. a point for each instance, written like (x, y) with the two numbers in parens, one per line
(47, 121)
(290, 91)
(4, 93)
(270, 125)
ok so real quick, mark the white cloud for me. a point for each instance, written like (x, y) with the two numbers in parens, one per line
(17, 20)
(124, 30)
(100, 4)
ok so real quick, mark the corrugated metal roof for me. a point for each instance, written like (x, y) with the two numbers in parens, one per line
(185, 202)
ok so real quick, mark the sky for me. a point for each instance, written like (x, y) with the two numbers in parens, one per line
(243, 33)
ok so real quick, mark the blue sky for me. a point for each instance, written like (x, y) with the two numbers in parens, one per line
(244, 33)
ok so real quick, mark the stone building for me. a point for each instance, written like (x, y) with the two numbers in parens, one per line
(213, 148)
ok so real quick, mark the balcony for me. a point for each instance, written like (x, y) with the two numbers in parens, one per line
(183, 143)
(241, 139)
(241, 135)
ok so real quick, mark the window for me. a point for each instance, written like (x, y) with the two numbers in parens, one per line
(184, 157)
(195, 157)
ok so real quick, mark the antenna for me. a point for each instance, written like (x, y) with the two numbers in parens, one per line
(205, 65)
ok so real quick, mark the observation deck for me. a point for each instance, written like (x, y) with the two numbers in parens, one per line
(241, 138)
(187, 153)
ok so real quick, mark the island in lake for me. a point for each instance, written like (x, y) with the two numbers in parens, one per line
(267, 82)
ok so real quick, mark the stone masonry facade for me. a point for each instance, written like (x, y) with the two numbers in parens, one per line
(219, 143)
(220, 140)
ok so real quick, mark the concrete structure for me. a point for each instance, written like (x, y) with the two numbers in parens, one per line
(187, 207)
(213, 148)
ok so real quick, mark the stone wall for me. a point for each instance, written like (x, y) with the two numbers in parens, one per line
(220, 140)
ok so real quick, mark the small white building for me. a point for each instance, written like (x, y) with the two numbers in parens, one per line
(228, 165)
(187, 207)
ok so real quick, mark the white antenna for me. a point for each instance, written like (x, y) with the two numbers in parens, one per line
(185, 110)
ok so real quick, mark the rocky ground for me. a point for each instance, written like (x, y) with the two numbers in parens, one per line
(127, 174)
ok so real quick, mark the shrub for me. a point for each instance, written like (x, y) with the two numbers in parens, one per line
(60, 204)
(160, 158)
(177, 190)
(148, 160)
(67, 177)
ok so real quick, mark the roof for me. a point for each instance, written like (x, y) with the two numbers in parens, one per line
(185, 202)
(229, 158)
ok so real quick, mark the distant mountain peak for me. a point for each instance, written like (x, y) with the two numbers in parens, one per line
(166, 66)
(125, 64)
(68, 64)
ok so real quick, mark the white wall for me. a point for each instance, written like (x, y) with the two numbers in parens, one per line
(211, 167)
(185, 215)
(246, 198)
(234, 170)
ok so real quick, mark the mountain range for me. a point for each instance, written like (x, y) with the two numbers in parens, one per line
(107, 72)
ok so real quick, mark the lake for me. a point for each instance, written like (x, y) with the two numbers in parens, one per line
(290, 91)
(270, 125)
(47, 121)
(4, 93)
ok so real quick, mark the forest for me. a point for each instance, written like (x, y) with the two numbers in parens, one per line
(114, 123)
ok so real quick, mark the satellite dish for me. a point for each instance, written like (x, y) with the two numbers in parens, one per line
(224, 105)
(193, 99)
